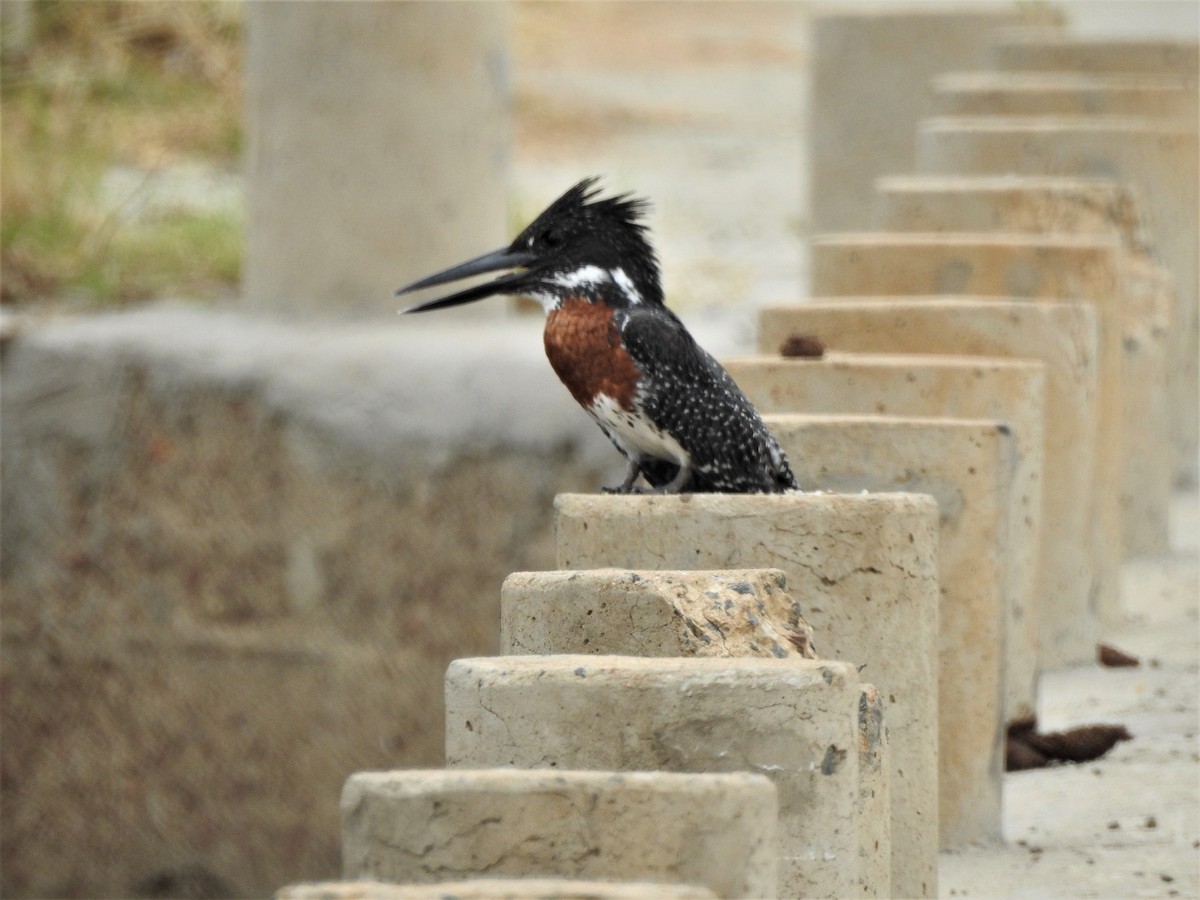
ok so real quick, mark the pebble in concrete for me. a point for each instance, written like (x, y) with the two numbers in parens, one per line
(967, 466)
(1064, 337)
(864, 569)
(1034, 204)
(496, 889)
(742, 612)
(1049, 268)
(437, 825)
(795, 721)
(1159, 158)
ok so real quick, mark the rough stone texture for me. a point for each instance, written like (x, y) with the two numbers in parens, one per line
(496, 889)
(176, 479)
(864, 570)
(320, 152)
(1064, 337)
(1079, 206)
(1159, 159)
(874, 796)
(1061, 94)
(795, 721)
(746, 612)
(870, 73)
(928, 387)
(1050, 268)
(718, 831)
(967, 466)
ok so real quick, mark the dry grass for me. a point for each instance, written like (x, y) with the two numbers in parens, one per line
(104, 84)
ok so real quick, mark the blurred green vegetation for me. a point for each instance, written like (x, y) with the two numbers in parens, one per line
(100, 85)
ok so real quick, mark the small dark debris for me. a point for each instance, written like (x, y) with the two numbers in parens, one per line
(1151, 822)
(802, 346)
(581, 671)
(797, 639)
(1114, 825)
(834, 757)
(1167, 878)
(1026, 748)
(1115, 659)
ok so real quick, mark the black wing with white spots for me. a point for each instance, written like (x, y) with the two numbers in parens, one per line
(687, 394)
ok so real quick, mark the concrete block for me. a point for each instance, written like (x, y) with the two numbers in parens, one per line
(1045, 52)
(870, 87)
(1062, 94)
(742, 612)
(967, 466)
(496, 889)
(440, 825)
(1041, 267)
(1079, 206)
(1063, 336)
(874, 796)
(864, 569)
(348, 117)
(795, 721)
(1159, 159)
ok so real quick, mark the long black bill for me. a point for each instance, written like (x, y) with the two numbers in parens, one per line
(489, 262)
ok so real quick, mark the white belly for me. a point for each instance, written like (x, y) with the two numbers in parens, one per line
(637, 436)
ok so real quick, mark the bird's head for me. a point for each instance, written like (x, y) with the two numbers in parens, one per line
(582, 245)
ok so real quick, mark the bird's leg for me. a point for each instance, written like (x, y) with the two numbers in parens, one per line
(632, 470)
(678, 483)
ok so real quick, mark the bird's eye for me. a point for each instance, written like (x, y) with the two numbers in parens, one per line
(553, 238)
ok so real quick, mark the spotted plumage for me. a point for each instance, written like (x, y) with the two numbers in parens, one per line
(668, 406)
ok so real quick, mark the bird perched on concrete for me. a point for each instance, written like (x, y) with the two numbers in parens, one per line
(667, 405)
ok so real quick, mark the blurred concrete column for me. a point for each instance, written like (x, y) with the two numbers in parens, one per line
(377, 140)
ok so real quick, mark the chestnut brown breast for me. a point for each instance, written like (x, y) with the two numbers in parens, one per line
(584, 347)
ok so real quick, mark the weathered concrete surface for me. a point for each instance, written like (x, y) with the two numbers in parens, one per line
(186, 479)
(1063, 336)
(930, 387)
(1042, 267)
(444, 825)
(1159, 159)
(1079, 206)
(864, 569)
(967, 466)
(496, 889)
(795, 721)
(348, 117)
(1044, 93)
(874, 796)
(870, 86)
(739, 612)
(1128, 824)
(1097, 55)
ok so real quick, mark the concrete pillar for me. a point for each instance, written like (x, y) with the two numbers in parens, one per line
(1040, 205)
(496, 889)
(1049, 268)
(795, 721)
(1062, 94)
(865, 567)
(1159, 159)
(376, 149)
(967, 466)
(871, 72)
(1066, 53)
(1063, 336)
(435, 825)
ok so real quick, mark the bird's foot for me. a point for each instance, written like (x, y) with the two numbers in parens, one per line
(623, 489)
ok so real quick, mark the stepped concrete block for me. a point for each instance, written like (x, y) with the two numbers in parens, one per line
(742, 612)
(1046, 52)
(1157, 158)
(317, 76)
(444, 825)
(496, 889)
(1079, 206)
(1049, 268)
(1063, 336)
(1062, 94)
(967, 466)
(863, 568)
(871, 73)
(795, 721)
